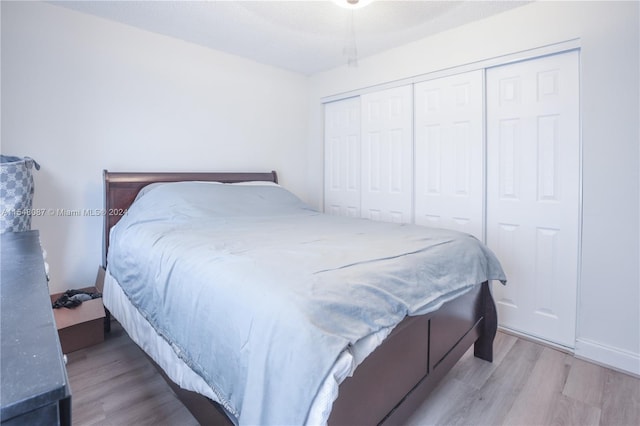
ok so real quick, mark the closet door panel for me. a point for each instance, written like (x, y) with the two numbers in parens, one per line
(387, 155)
(533, 193)
(449, 153)
(342, 157)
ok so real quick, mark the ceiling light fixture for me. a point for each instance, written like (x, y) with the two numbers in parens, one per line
(352, 4)
(351, 49)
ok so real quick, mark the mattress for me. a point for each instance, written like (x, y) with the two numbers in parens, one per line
(271, 303)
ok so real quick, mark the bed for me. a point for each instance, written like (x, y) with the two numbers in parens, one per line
(238, 293)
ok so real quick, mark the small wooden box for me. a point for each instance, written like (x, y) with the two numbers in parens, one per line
(83, 325)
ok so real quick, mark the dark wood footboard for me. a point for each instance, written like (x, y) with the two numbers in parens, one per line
(397, 377)
(483, 347)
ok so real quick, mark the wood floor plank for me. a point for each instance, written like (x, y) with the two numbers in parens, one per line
(543, 387)
(585, 383)
(443, 405)
(491, 403)
(93, 414)
(461, 384)
(620, 400)
(147, 407)
(567, 411)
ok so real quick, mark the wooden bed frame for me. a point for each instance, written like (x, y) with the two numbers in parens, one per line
(391, 382)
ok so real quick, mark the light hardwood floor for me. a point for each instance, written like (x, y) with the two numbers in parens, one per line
(528, 384)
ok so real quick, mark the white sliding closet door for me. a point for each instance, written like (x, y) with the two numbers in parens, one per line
(387, 155)
(342, 157)
(533, 193)
(449, 190)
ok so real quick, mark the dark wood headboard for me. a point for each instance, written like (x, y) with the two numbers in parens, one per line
(121, 188)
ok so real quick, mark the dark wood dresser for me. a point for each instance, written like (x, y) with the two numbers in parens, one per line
(34, 388)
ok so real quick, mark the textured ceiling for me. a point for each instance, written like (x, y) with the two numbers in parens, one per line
(301, 36)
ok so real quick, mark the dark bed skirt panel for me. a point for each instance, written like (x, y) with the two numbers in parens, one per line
(394, 380)
(384, 377)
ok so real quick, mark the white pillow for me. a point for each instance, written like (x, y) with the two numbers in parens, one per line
(256, 183)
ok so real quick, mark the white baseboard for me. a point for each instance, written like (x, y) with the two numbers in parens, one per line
(608, 356)
(537, 340)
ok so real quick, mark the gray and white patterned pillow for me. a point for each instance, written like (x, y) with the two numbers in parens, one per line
(16, 193)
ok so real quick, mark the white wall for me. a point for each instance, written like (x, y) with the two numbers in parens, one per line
(82, 94)
(609, 291)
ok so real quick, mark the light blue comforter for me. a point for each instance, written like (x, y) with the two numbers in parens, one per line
(260, 294)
